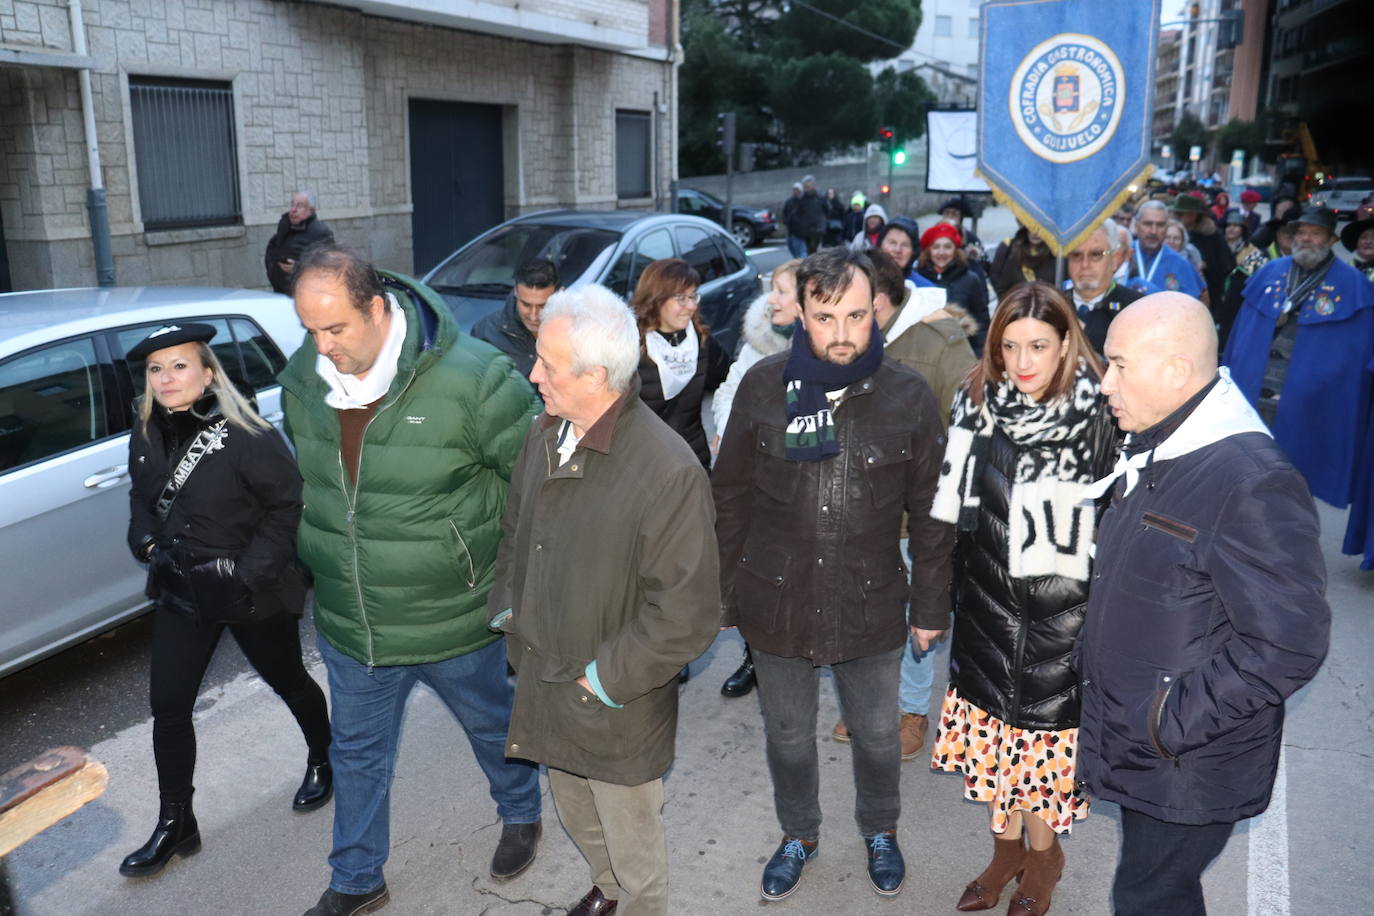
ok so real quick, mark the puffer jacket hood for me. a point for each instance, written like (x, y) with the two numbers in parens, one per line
(758, 328)
(875, 210)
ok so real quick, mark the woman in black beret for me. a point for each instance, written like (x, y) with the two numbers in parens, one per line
(214, 505)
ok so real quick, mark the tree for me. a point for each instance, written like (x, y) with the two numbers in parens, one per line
(881, 29)
(833, 84)
(794, 77)
(1188, 132)
(903, 100)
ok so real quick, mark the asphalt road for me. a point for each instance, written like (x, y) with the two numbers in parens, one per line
(97, 689)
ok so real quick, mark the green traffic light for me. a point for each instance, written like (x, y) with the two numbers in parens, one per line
(899, 157)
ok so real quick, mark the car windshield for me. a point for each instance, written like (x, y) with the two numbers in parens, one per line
(1351, 184)
(487, 267)
(711, 199)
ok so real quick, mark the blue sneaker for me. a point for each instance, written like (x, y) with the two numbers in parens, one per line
(783, 872)
(886, 870)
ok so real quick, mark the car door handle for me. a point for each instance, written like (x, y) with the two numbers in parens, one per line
(106, 478)
(274, 417)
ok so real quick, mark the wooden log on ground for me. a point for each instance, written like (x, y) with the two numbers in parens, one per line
(38, 794)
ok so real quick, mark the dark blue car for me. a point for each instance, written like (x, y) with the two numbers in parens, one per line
(608, 247)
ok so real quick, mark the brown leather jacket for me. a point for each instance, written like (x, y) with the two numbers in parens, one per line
(809, 550)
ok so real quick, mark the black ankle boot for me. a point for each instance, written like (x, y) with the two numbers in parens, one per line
(316, 788)
(742, 681)
(176, 833)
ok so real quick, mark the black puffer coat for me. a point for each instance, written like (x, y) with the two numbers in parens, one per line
(1013, 638)
(683, 413)
(242, 501)
(967, 289)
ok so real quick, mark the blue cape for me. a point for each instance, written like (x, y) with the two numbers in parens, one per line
(1168, 270)
(1359, 531)
(1323, 415)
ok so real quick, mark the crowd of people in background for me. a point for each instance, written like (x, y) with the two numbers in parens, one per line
(1092, 471)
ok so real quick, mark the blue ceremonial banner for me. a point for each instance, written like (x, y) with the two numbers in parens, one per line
(1064, 116)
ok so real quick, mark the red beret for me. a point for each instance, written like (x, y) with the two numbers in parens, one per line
(1250, 196)
(941, 231)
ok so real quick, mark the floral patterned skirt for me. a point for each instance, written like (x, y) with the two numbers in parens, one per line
(1014, 769)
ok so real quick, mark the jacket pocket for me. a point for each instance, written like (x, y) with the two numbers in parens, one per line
(586, 722)
(882, 585)
(775, 476)
(1180, 530)
(884, 464)
(462, 556)
(759, 591)
(1156, 715)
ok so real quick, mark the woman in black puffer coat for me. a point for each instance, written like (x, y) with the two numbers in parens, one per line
(1029, 430)
(942, 262)
(220, 546)
(679, 359)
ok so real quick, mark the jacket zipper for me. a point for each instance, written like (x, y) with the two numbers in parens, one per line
(1018, 667)
(353, 510)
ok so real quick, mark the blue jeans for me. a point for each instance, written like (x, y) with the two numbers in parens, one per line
(368, 707)
(796, 246)
(918, 676)
(918, 670)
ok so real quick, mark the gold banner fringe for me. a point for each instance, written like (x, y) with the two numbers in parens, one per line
(1033, 225)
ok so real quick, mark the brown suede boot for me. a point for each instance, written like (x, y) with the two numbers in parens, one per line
(1007, 861)
(1043, 869)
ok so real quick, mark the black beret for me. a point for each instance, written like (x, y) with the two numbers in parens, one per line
(170, 335)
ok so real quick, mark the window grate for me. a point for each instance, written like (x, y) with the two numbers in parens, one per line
(185, 152)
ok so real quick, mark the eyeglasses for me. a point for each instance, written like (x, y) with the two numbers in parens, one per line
(1092, 257)
(687, 298)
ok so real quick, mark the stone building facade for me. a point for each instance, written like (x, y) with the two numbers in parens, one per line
(322, 99)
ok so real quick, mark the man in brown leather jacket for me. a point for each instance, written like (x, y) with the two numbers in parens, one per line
(828, 445)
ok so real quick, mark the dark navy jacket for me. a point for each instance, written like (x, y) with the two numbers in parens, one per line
(1207, 610)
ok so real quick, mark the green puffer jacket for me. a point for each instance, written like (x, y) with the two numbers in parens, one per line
(403, 562)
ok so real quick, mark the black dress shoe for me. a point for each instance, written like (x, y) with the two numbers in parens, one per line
(316, 788)
(333, 903)
(783, 872)
(594, 904)
(684, 675)
(886, 870)
(742, 681)
(176, 833)
(515, 851)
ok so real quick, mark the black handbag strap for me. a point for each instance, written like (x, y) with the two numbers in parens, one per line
(210, 439)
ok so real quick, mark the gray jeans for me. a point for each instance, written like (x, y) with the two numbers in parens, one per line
(788, 692)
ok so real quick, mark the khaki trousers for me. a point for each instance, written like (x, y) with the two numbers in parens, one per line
(619, 830)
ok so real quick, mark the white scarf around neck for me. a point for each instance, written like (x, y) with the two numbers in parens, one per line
(676, 364)
(348, 392)
(1223, 413)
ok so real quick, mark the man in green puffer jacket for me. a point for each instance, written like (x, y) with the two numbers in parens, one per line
(405, 431)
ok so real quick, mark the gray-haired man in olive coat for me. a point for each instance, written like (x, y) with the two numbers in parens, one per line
(607, 583)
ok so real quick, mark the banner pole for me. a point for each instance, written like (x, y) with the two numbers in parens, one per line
(1059, 271)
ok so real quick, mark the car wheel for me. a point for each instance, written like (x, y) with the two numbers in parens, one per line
(744, 234)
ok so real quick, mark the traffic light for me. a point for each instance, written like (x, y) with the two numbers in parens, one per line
(885, 189)
(899, 156)
(885, 133)
(725, 133)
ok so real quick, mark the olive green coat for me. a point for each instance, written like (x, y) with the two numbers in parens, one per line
(610, 558)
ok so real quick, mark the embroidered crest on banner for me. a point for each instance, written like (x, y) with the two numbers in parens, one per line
(1066, 97)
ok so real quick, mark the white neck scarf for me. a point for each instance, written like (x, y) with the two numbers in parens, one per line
(676, 365)
(1224, 413)
(348, 392)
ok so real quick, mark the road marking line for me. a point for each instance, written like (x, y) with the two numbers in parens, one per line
(1267, 888)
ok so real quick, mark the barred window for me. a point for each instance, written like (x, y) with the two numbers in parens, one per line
(188, 173)
(632, 154)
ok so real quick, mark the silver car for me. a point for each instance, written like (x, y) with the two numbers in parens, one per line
(66, 407)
